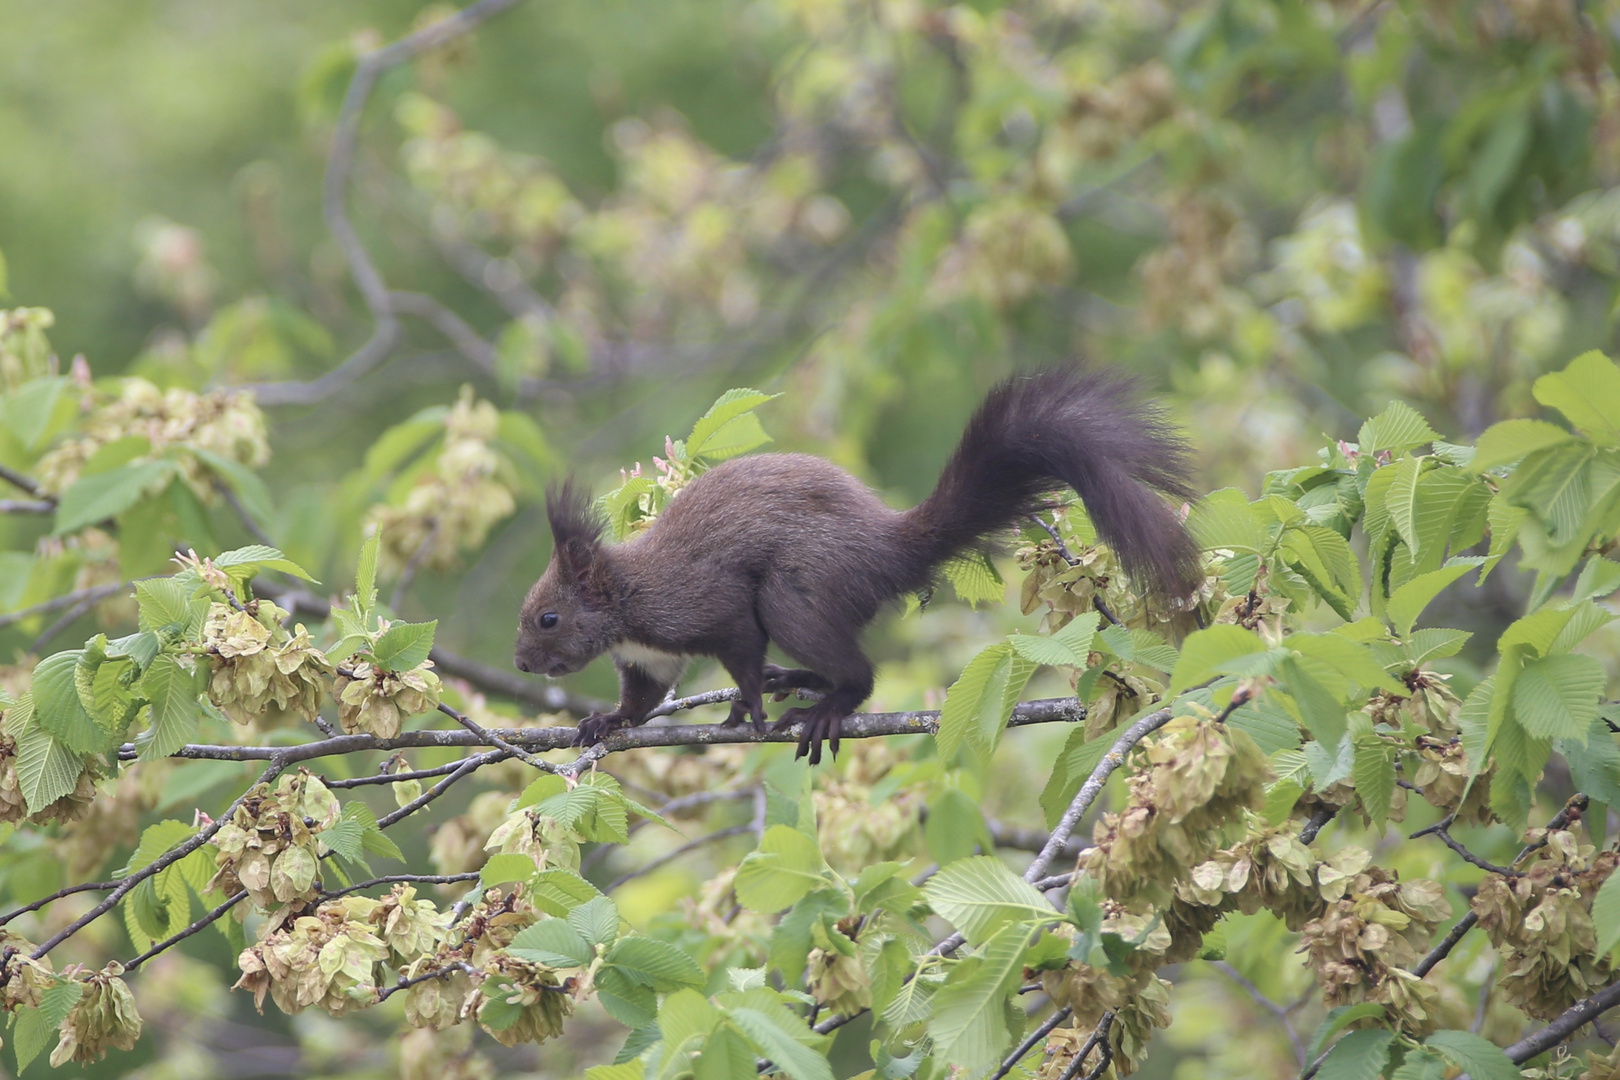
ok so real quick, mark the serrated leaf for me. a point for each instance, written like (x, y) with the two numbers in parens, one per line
(505, 867)
(1512, 440)
(558, 890)
(1360, 1055)
(346, 838)
(1224, 520)
(1606, 915)
(1587, 392)
(172, 692)
(59, 708)
(1354, 661)
(258, 557)
(1556, 697)
(730, 406)
(365, 580)
(46, 768)
(628, 1002)
(1408, 601)
(404, 646)
(657, 964)
(1373, 771)
(980, 702)
(167, 606)
(1398, 428)
(974, 578)
(1420, 1064)
(787, 865)
(552, 942)
(596, 920)
(969, 1025)
(1208, 652)
(726, 1056)
(35, 1027)
(979, 896)
(1479, 1057)
(95, 498)
(780, 1043)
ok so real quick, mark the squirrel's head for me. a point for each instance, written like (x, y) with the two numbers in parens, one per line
(569, 617)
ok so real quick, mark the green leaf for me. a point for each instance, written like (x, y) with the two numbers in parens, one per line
(29, 410)
(714, 436)
(1374, 774)
(404, 646)
(781, 1043)
(1606, 915)
(365, 580)
(96, 498)
(249, 488)
(1224, 520)
(35, 1027)
(505, 867)
(628, 1002)
(166, 606)
(1337, 1019)
(1408, 601)
(243, 562)
(597, 921)
(657, 964)
(59, 706)
(980, 702)
(974, 578)
(969, 1026)
(686, 1018)
(552, 942)
(1587, 392)
(558, 890)
(1360, 1055)
(1398, 428)
(979, 896)
(1594, 766)
(1480, 1058)
(787, 865)
(1599, 577)
(1207, 652)
(173, 693)
(1556, 697)
(1420, 1064)
(1354, 661)
(726, 1056)
(1513, 440)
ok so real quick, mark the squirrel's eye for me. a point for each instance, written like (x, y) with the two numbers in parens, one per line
(548, 620)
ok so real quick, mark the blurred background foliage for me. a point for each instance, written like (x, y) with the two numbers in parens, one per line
(1282, 215)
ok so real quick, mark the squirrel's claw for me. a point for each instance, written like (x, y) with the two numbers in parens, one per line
(596, 727)
(820, 725)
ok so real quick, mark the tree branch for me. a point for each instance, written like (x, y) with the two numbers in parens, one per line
(1569, 1022)
(168, 942)
(66, 600)
(1092, 788)
(23, 483)
(391, 879)
(162, 862)
(1028, 1044)
(26, 506)
(334, 206)
(669, 857)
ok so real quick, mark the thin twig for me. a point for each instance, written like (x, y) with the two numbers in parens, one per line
(23, 483)
(392, 879)
(1442, 829)
(1281, 1012)
(1092, 788)
(26, 506)
(1572, 809)
(437, 973)
(253, 528)
(1099, 1042)
(158, 865)
(1029, 1044)
(334, 207)
(168, 942)
(89, 886)
(468, 767)
(57, 603)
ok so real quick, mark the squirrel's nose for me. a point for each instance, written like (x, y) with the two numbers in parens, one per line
(522, 664)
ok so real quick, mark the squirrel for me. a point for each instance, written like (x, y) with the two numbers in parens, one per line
(791, 548)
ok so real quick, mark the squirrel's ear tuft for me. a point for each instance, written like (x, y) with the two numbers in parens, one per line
(576, 531)
(574, 520)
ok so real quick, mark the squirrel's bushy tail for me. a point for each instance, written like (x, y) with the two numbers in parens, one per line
(1088, 430)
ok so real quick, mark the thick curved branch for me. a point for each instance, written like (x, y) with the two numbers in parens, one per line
(1567, 1024)
(334, 206)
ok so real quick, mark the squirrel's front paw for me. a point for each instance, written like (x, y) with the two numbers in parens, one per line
(596, 727)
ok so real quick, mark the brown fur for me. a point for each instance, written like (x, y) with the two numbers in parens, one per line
(792, 549)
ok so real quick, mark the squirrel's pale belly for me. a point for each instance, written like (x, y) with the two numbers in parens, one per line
(661, 665)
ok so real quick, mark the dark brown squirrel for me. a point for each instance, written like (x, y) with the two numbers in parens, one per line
(792, 549)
